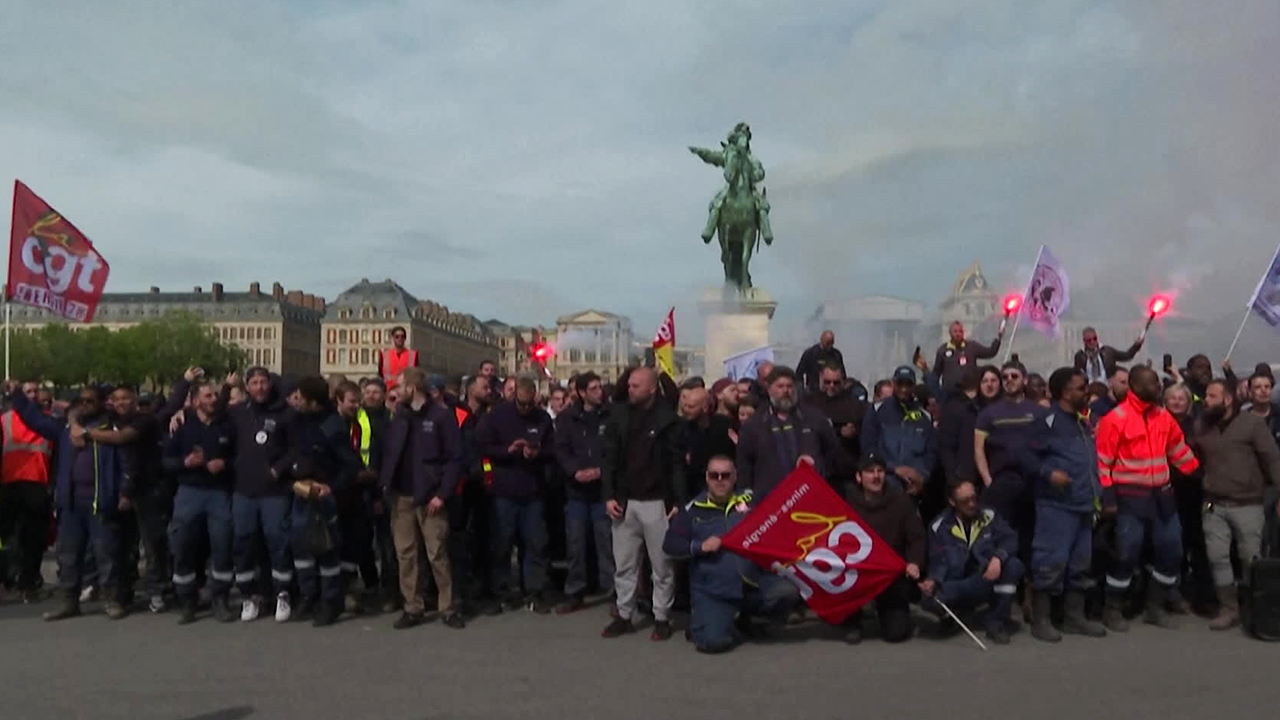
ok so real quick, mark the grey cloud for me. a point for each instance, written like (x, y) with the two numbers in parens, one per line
(902, 139)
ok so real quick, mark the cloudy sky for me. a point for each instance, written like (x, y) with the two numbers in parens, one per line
(522, 160)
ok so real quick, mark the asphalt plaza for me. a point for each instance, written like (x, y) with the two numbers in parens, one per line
(545, 666)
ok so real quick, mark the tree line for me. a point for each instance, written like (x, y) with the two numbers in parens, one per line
(151, 354)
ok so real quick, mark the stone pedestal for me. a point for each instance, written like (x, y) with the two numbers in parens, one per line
(735, 323)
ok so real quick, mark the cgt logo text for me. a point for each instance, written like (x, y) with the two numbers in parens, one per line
(59, 265)
(831, 568)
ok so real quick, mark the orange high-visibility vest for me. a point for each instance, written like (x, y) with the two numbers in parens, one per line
(26, 454)
(394, 362)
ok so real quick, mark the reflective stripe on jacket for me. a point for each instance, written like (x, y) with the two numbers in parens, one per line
(1137, 443)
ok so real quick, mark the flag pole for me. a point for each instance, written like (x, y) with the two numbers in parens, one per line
(959, 622)
(1008, 351)
(7, 313)
(1230, 350)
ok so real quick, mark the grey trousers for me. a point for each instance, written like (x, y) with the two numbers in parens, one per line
(644, 522)
(1222, 524)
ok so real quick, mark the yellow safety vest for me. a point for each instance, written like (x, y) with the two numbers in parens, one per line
(366, 431)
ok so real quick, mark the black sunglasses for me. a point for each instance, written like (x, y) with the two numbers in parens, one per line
(713, 475)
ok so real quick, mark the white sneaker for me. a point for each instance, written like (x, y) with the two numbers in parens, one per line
(249, 609)
(283, 611)
(88, 594)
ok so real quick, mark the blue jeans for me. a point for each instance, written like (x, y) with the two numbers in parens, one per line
(1062, 549)
(271, 515)
(197, 511)
(1132, 530)
(319, 575)
(523, 518)
(585, 523)
(78, 530)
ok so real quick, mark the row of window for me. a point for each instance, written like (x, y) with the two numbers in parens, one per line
(247, 333)
(368, 313)
(262, 356)
(589, 356)
(341, 336)
(354, 357)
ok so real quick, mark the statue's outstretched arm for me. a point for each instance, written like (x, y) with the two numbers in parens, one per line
(710, 157)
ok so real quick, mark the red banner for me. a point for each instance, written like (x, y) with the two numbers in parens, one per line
(805, 532)
(52, 265)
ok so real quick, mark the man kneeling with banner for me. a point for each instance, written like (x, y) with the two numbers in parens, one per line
(806, 534)
(726, 590)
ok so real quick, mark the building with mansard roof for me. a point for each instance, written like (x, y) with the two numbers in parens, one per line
(357, 327)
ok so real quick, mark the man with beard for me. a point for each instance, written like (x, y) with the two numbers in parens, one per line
(322, 474)
(1239, 457)
(138, 434)
(196, 455)
(1117, 389)
(372, 418)
(725, 394)
(469, 537)
(518, 440)
(1064, 469)
(260, 501)
(580, 452)
(781, 437)
(420, 471)
(1137, 443)
(92, 492)
(837, 403)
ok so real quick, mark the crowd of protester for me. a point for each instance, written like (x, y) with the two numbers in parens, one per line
(415, 495)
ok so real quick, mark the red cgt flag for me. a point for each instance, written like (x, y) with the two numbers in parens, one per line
(52, 265)
(803, 531)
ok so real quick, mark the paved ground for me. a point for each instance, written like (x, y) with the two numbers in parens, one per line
(527, 666)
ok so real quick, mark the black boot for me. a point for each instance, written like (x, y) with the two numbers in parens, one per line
(1154, 613)
(70, 608)
(327, 613)
(1113, 613)
(221, 610)
(1041, 624)
(188, 615)
(1075, 622)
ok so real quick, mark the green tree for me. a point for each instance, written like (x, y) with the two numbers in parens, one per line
(155, 352)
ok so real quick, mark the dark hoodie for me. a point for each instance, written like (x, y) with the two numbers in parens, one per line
(893, 517)
(260, 437)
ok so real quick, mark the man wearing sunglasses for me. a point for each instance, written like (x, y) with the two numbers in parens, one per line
(723, 586)
(972, 560)
(1002, 430)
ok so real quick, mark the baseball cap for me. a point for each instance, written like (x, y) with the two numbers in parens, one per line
(435, 382)
(904, 373)
(869, 461)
